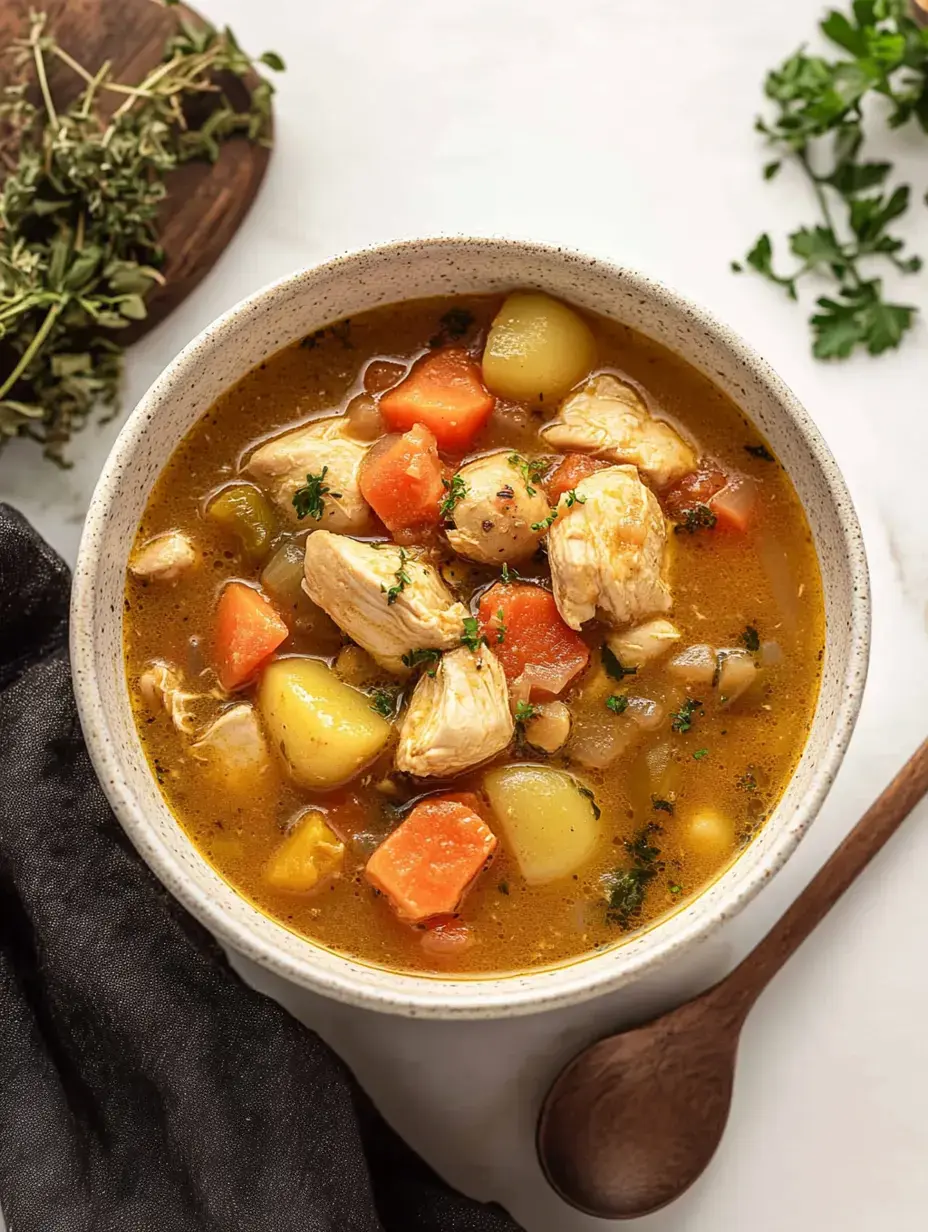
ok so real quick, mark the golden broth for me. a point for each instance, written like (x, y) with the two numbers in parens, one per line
(735, 761)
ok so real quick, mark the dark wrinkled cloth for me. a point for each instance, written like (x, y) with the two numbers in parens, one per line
(143, 1086)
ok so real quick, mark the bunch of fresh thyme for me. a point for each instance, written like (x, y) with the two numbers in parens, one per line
(79, 251)
(819, 124)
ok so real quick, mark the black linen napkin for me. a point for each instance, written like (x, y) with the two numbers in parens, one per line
(143, 1086)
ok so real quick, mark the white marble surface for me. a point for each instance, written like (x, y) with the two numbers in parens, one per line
(622, 127)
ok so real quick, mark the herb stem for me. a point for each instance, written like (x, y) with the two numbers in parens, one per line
(34, 346)
(35, 38)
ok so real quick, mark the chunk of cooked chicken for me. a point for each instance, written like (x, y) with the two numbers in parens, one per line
(234, 745)
(361, 588)
(281, 467)
(609, 418)
(161, 685)
(493, 520)
(457, 718)
(645, 643)
(607, 551)
(164, 558)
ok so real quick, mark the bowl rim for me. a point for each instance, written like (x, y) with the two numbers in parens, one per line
(512, 994)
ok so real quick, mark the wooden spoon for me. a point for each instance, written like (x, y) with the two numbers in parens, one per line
(633, 1120)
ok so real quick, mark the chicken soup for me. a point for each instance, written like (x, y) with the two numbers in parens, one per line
(472, 635)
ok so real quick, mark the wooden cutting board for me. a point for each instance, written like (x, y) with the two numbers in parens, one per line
(206, 202)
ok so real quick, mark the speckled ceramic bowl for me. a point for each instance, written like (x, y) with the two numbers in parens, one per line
(296, 306)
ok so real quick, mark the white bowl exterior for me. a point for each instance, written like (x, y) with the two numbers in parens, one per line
(296, 306)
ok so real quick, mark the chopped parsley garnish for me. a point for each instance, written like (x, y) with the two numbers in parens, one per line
(452, 325)
(585, 791)
(674, 888)
(309, 501)
(751, 639)
(508, 573)
(574, 498)
(617, 703)
(417, 658)
(700, 517)
(613, 665)
(503, 887)
(472, 638)
(402, 581)
(383, 702)
(761, 452)
(700, 754)
(682, 719)
(500, 626)
(662, 806)
(524, 711)
(532, 471)
(747, 782)
(457, 490)
(552, 516)
(626, 887)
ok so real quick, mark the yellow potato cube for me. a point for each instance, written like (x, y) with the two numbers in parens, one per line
(309, 853)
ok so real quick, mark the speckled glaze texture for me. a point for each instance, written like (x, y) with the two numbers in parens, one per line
(287, 310)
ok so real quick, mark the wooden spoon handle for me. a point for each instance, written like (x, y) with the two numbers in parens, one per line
(878, 824)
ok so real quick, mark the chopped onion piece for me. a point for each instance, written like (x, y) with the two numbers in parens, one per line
(648, 714)
(643, 644)
(597, 740)
(737, 672)
(695, 665)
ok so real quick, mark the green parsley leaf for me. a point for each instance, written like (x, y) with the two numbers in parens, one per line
(700, 754)
(472, 638)
(402, 581)
(662, 806)
(617, 703)
(457, 490)
(573, 498)
(699, 517)
(548, 521)
(613, 665)
(419, 658)
(500, 626)
(532, 471)
(503, 887)
(383, 702)
(751, 639)
(682, 719)
(309, 501)
(625, 888)
(509, 574)
(524, 711)
(674, 887)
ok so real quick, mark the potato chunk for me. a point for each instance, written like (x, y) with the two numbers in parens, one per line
(537, 349)
(325, 730)
(309, 853)
(548, 824)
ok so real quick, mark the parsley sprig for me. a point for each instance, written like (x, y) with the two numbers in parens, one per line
(402, 581)
(309, 501)
(821, 110)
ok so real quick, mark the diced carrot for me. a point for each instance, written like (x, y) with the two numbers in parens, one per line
(428, 863)
(570, 472)
(734, 504)
(695, 489)
(446, 938)
(248, 631)
(401, 479)
(445, 393)
(524, 629)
